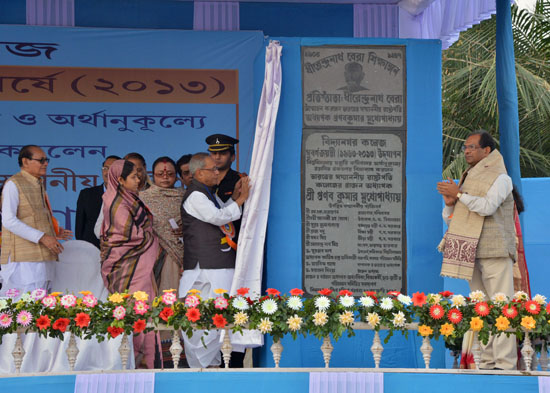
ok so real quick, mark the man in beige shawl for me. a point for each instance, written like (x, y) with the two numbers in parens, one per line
(479, 245)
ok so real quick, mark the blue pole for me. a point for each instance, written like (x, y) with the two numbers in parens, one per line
(507, 94)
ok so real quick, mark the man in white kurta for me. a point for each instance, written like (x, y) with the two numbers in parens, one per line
(209, 260)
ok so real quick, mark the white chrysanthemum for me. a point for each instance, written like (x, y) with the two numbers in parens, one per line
(294, 303)
(399, 319)
(269, 306)
(240, 318)
(366, 301)
(540, 299)
(373, 319)
(320, 318)
(240, 303)
(3, 304)
(322, 303)
(386, 303)
(26, 297)
(404, 299)
(500, 297)
(347, 301)
(458, 300)
(346, 318)
(294, 323)
(477, 296)
(265, 325)
(434, 298)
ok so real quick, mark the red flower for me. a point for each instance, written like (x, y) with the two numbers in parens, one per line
(482, 309)
(43, 322)
(419, 299)
(82, 320)
(219, 320)
(345, 292)
(242, 291)
(436, 311)
(532, 307)
(166, 313)
(325, 292)
(139, 326)
(548, 308)
(250, 301)
(509, 311)
(61, 324)
(454, 315)
(193, 314)
(299, 292)
(446, 293)
(394, 293)
(273, 292)
(372, 294)
(115, 331)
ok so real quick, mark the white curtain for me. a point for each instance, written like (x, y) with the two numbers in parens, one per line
(115, 383)
(346, 382)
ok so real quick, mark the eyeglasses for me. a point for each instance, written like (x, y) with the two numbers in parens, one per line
(470, 147)
(42, 160)
(165, 174)
(214, 169)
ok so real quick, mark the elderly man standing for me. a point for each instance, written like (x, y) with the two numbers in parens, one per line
(480, 243)
(209, 261)
(29, 241)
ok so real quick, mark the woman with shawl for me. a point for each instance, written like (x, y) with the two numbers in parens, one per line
(164, 201)
(130, 251)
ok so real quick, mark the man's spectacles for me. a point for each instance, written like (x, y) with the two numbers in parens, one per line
(214, 169)
(470, 147)
(42, 160)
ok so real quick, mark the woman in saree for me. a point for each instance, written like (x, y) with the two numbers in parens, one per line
(131, 257)
(164, 201)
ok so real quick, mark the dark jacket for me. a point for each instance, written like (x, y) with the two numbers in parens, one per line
(87, 211)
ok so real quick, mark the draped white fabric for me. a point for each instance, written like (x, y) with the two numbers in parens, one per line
(376, 20)
(50, 12)
(115, 383)
(250, 252)
(346, 382)
(544, 384)
(444, 19)
(216, 15)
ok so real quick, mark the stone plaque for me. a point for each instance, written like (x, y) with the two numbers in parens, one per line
(354, 86)
(353, 208)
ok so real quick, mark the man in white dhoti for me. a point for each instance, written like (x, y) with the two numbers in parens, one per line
(209, 258)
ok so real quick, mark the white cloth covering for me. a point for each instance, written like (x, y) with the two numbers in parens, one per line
(78, 269)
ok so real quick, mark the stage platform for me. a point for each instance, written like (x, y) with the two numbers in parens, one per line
(294, 380)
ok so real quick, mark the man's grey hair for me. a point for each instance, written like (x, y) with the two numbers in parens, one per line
(197, 162)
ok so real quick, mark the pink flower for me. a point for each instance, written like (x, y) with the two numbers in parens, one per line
(68, 301)
(220, 303)
(13, 292)
(49, 301)
(38, 294)
(140, 307)
(24, 318)
(192, 301)
(5, 320)
(89, 301)
(119, 312)
(169, 298)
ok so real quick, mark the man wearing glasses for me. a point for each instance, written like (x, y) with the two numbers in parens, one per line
(88, 206)
(30, 239)
(208, 257)
(480, 244)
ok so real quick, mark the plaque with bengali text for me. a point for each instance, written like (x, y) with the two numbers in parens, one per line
(354, 86)
(353, 210)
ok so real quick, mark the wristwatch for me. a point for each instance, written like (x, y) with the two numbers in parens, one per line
(458, 195)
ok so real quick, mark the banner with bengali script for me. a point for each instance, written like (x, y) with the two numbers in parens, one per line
(84, 94)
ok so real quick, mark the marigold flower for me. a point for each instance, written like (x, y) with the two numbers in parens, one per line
(419, 299)
(5, 320)
(55, 293)
(193, 314)
(139, 325)
(43, 322)
(273, 292)
(219, 321)
(114, 331)
(528, 322)
(140, 295)
(294, 323)
(345, 292)
(325, 292)
(82, 320)
(373, 319)
(446, 329)
(166, 313)
(194, 291)
(476, 324)
(320, 318)
(454, 315)
(84, 293)
(296, 292)
(425, 330)
(24, 318)
(265, 325)
(482, 309)
(436, 311)
(61, 324)
(532, 307)
(502, 323)
(116, 298)
(240, 318)
(346, 318)
(220, 291)
(243, 291)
